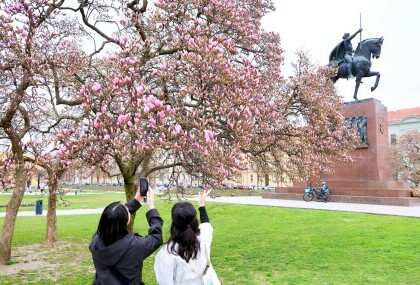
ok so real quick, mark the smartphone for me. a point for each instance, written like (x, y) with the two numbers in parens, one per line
(144, 186)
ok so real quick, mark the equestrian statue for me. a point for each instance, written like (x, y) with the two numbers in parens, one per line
(357, 65)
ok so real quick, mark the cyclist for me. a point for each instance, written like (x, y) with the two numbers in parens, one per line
(324, 187)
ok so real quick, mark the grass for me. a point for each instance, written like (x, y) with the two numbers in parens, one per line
(251, 245)
(91, 199)
(80, 201)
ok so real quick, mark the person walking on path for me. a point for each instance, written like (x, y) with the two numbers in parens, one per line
(117, 254)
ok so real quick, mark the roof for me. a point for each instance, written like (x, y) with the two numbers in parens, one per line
(399, 115)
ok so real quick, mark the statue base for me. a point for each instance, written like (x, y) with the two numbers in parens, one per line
(368, 178)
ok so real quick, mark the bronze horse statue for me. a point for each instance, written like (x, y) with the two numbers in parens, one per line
(366, 49)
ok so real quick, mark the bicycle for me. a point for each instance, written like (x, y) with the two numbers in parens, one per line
(321, 195)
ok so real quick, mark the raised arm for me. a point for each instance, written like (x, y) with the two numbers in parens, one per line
(202, 197)
(204, 218)
(206, 229)
(154, 239)
(355, 34)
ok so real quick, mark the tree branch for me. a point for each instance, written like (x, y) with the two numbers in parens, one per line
(103, 169)
(157, 168)
(58, 99)
(27, 123)
(136, 2)
(85, 20)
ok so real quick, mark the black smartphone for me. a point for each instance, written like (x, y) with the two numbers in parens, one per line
(144, 186)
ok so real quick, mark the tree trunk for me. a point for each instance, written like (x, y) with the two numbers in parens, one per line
(11, 213)
(128, 172)
(130, 192)
(38, 181)
(51, 234)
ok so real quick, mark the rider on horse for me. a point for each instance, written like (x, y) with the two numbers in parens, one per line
(344, 51)
(341, 58)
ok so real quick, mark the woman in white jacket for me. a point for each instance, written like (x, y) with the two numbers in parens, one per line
(185, 258)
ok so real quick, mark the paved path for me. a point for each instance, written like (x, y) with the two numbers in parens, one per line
(413, 211)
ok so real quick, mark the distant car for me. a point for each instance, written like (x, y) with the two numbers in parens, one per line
(269, 188)
(255, 187)
(228, 186)
(205, 186)
(241, 187)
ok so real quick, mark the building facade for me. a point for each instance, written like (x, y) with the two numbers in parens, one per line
(403, 121)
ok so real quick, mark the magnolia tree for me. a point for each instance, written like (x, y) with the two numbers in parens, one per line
(37, 51)
(197, 85)
(405, 158)
(184, 86)
(305, 133)
(57, 110)
(44, 151)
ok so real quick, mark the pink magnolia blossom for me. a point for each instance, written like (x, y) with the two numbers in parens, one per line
(140, 89)
(152, 122)
(96, 87)
(208, 135)
(158, 103)
(178, 129)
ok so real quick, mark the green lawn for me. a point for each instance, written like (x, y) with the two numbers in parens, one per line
(252, 245)
(80, 201)
(92, 198)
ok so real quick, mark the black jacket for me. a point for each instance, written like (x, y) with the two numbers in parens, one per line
(122, 261)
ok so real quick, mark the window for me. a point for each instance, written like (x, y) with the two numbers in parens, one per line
(393, 138)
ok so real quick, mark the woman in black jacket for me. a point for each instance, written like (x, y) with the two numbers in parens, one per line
(117, 254)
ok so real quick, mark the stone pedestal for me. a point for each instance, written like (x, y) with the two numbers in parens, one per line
(371, 160)
(368, 178)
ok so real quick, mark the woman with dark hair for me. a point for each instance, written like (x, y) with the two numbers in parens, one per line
(186, 256)
(118, 254)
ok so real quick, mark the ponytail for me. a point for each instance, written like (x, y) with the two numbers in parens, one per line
(184, 231)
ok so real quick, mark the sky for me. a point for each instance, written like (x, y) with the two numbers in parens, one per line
(318, 26)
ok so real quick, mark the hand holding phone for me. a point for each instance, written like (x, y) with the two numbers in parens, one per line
(144, 186)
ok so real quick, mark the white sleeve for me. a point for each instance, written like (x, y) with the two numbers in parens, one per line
(164, 267)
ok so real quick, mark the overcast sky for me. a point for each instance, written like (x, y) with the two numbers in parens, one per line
(317, 26)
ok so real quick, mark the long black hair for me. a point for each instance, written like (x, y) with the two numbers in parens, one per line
(113, 223)
(184, 231)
